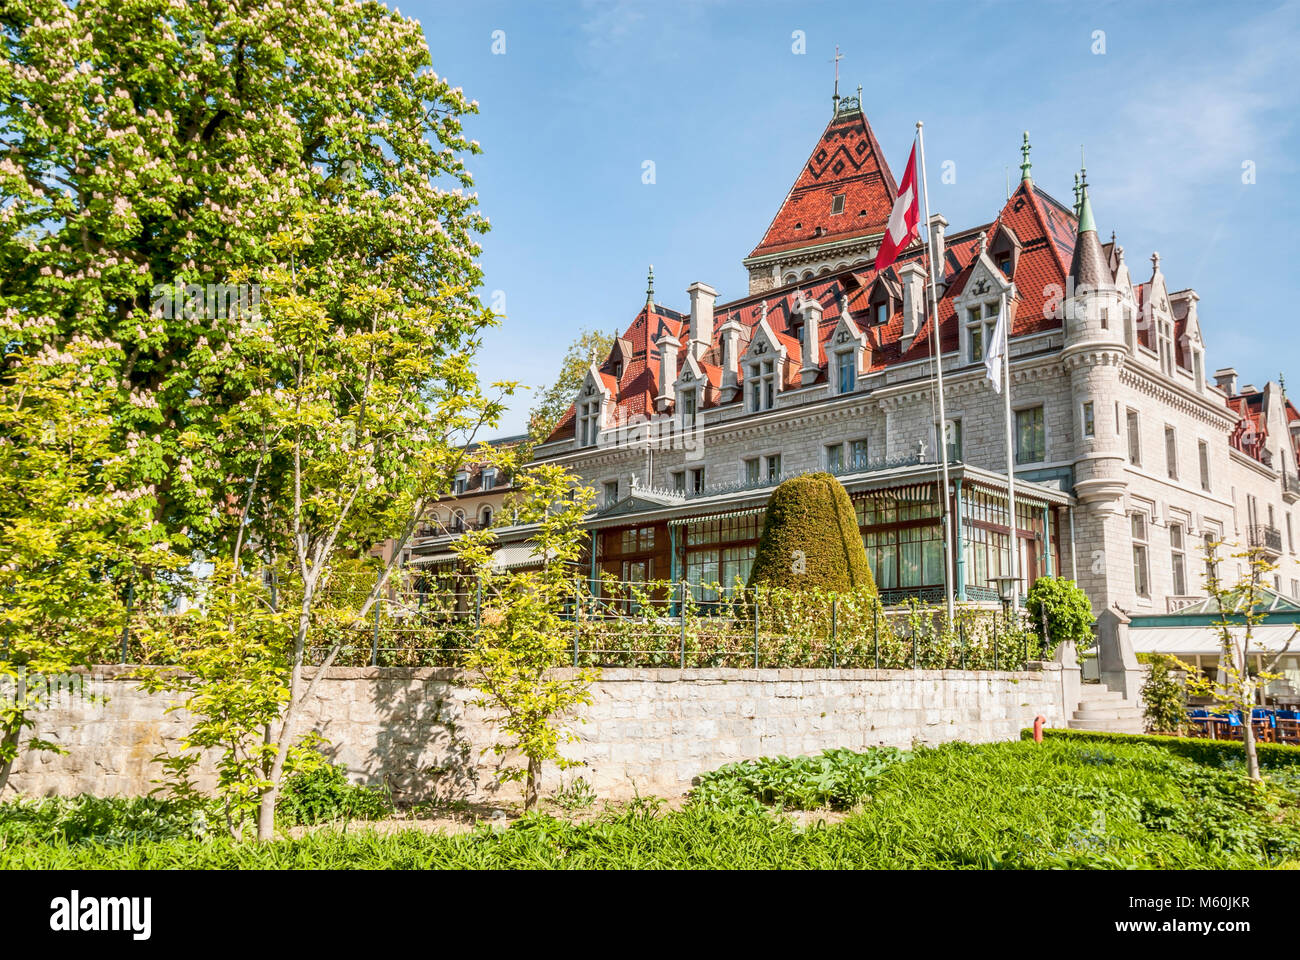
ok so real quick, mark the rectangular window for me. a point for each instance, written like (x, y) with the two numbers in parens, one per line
(882, 313)
(837, 203)
(1134, 439)
(1178, 559)
(976, 343)
(1089, 423)
(1031, 441)
(1171, 453)
(774, 466)
(835, 457)
(1141, 570)
(751, 470)
(697, 480)
(859, 454)
(679, 481)
(611, 492)
(688, 408)
(1203, 451)
(847, 372)
(952, 440)
(1290, 535)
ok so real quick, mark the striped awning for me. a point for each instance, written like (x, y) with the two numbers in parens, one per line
(683, 521)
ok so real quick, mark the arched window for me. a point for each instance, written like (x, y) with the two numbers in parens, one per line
(485, 516)
(458, 522)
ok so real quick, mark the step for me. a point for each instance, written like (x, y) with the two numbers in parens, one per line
(1103, 694)
(1120, 713)
(1109, 726)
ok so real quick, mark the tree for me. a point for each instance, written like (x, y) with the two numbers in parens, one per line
(1241, 608)
(810, 539)
(148, 158)
(554, 401)
(1164, 694)
(1059, 611)
(73, 529)
(524, 641)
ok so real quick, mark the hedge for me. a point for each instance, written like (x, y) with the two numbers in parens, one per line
(1198, 749)
(811, 539)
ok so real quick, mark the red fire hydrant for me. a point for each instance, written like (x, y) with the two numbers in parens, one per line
(1038, 728)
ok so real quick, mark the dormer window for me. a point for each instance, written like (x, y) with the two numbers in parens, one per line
(688, 398)
(837, 203)
(1004, 264)
(489, 477)
(882, 312)
(762, 385)
(461, 483)
(981, 320)
(846, 371)
(588, 421)
(618, 369)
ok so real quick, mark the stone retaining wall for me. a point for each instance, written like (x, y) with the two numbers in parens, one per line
(647, 730)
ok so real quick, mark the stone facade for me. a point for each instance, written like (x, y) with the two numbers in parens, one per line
(646, 730)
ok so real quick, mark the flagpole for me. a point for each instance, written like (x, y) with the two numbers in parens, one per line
(938, 368)
(1011, 456)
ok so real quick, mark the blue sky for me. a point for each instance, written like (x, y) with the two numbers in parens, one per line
(714, 95)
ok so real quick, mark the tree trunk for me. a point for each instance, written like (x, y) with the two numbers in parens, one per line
(530, 785)
(10, 744)
(1248, 733)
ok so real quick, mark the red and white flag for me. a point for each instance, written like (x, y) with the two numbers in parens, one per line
(901, 229)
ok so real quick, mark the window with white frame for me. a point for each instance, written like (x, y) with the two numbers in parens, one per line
(1141, 562)
(1089, 421)
(1203, 453)
(773, 466)
(688, 397)
(588, 422)
(847, 371)
(697, 480)
(762, 385)
(752, 473)
(834, 456)
(1133, 423)
(679, 481)
(611, 492)
(858, 454)
(1178, 558)
(1171, 452)
(980, 322)
(1031, 438)
(952, 439)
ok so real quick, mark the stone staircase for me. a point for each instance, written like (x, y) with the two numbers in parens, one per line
(1101, 708)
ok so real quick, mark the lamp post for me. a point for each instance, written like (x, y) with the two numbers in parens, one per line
(1007, 591)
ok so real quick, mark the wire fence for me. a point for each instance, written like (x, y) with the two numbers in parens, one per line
(608, 623)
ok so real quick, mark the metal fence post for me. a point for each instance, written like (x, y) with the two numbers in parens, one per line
(913, 646)
(995, 639)
(835, 634)
(374, 643)
(478, 601)
(681, 596)
(961, 635)
(875, 624)
(756, 610)
(577, 616)
(126, 625)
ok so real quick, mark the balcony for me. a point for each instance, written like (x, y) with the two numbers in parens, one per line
(1174, 604)
(1290, 488)
(1267, 538)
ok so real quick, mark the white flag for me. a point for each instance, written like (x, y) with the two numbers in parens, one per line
(997, 349)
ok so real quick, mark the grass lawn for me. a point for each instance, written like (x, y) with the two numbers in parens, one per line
(1016, 805)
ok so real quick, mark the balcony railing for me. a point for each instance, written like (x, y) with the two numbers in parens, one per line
(1290, 487)
(1266, 537)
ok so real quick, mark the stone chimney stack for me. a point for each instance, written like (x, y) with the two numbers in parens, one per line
(668, 347)
(730, 334)
(938, 226)
(1226, 378)
(702, 299)
(913, 276)
(812, 318)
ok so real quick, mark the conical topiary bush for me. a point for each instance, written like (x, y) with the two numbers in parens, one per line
(810, 539)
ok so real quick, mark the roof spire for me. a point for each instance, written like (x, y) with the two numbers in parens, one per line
(1024, 160)
(650, 287)
(1086, 222)
(835, 100)
(1076, 196)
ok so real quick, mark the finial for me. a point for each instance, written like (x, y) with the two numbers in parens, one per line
(984, 243)
(860, 97)
(835, 100)
(650, 287)
(1024, 160)
(1076, 196)
(1155, 263)
(764, 316)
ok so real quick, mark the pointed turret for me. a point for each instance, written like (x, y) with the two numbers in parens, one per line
(1088, 266)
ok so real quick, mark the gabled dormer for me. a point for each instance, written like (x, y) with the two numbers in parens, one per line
(1156, 321)
(690, 391)
(595, 397)
(884, 300)
(761, 365)
(847, 352)
(1004, 250)
(978, 304)
(619, 357)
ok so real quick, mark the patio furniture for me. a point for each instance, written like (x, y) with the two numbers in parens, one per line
(1288, 730)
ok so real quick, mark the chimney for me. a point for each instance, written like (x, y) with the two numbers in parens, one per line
(668, 347)
(913, 276)
(1226, 379)
(730, 334)
(702, 298)
(937, 227)
(812, 318)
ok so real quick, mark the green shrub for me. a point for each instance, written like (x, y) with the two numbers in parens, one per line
(325, 794)
(835, 778)
(1164, 694)
(1065, 607)
(811, 539)
(105, 820)
(1214, 753)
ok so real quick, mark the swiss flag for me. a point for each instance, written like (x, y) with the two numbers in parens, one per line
(901, 229)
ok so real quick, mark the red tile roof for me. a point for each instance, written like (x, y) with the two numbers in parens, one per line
(847, 160)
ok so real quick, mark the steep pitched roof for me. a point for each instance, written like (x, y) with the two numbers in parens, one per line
(846, 160)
